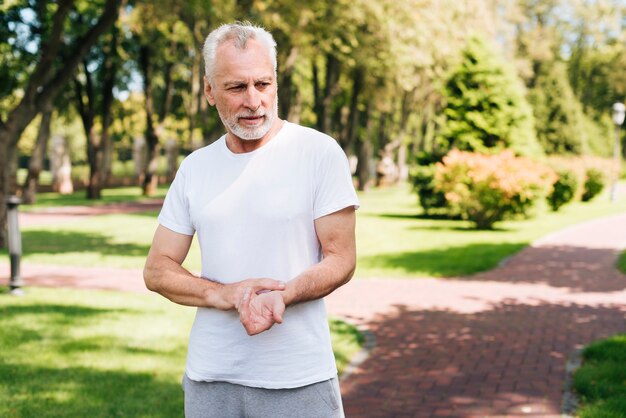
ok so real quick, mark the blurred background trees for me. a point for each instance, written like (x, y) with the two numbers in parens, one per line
(395, 82)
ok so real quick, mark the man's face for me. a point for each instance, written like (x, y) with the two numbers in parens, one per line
(244, 90)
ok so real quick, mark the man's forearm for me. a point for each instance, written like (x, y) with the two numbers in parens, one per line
(319, 280)
(171, 280)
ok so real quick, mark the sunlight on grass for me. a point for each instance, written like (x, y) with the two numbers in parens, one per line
(78, 353)
(394, 240)
(97, 354)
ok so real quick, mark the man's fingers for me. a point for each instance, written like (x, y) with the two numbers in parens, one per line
(244, 303)
(262, 285)
(278, 311)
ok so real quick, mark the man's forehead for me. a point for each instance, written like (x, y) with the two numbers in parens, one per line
(252, 62)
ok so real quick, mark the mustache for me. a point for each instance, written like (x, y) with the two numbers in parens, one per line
(250, 114)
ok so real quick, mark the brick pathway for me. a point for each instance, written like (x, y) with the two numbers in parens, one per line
(493, 344)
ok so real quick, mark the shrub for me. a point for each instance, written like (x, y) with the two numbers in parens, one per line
(594, 183)
(423, 180)
(563, 190)
(488, 188)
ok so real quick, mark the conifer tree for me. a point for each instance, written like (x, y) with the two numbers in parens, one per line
(486, 108)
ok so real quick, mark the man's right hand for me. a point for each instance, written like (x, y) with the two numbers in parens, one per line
(230, 295)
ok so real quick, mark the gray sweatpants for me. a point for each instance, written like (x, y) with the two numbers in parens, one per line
(226, 400)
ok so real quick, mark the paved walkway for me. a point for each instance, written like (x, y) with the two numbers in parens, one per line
(493, 344)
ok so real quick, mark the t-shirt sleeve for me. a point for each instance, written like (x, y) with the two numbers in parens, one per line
(175, 211)
(334, 188)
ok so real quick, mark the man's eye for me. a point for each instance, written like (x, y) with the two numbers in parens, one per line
(237, 88)
(262, 85)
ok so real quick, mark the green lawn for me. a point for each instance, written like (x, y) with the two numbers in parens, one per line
(601, 381)
(71, 353)
(393, 239)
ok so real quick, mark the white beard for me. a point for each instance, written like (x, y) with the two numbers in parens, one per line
(251, 133)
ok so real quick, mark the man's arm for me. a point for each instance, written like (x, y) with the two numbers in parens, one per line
(164, 274)
(335, 232)
(336, 235)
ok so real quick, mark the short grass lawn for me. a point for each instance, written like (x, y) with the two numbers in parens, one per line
(601, 381)
(393, 238)
(76, 353)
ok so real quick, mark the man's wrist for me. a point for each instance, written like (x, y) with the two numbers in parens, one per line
(215, 295)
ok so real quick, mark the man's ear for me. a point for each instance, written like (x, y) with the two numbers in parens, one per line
(208, 91)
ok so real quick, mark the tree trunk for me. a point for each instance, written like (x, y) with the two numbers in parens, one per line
(35, 165)
(286, 91)
(99, 146)
(323, 99)
(43, 86)
(330, 91)
(353, 119)
(365, 151)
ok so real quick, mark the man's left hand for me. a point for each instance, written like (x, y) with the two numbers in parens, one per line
(259, 313)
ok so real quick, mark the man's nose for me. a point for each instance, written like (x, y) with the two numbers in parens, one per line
(252, 98)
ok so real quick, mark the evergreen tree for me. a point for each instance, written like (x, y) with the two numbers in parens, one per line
(558, 113)
(485, 105)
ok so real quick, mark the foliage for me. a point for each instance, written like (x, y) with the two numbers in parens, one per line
(563, 190)
(594, 183)
(84, 353)
(558, 114)
(486, 109)
(489, 188)
(600, 381)
(423, 180)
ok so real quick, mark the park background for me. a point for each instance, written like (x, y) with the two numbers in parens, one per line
(472, 127)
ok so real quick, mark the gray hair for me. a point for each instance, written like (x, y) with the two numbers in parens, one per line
(239, 32)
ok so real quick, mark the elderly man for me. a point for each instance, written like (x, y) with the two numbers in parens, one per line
(273, 206)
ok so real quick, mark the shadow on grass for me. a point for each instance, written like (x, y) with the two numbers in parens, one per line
(31, 391)
(126, 194)
(432, 216)
(14, 320)
(445, 262)
(58, 242)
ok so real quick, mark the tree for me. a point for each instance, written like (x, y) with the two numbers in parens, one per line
(94, 99)
(485, 105)
(558, 114)
(58, 52)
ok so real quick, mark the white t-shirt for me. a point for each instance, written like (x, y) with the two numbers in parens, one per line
(254, 215)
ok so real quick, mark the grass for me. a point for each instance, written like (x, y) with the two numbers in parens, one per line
(122, 194)
(621, 262)
(393, 238)
(74, 353)
(601, 381)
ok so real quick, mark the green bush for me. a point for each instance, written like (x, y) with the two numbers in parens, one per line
(594, 183)
(563, 190)
(488, 188)
(423, 180)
